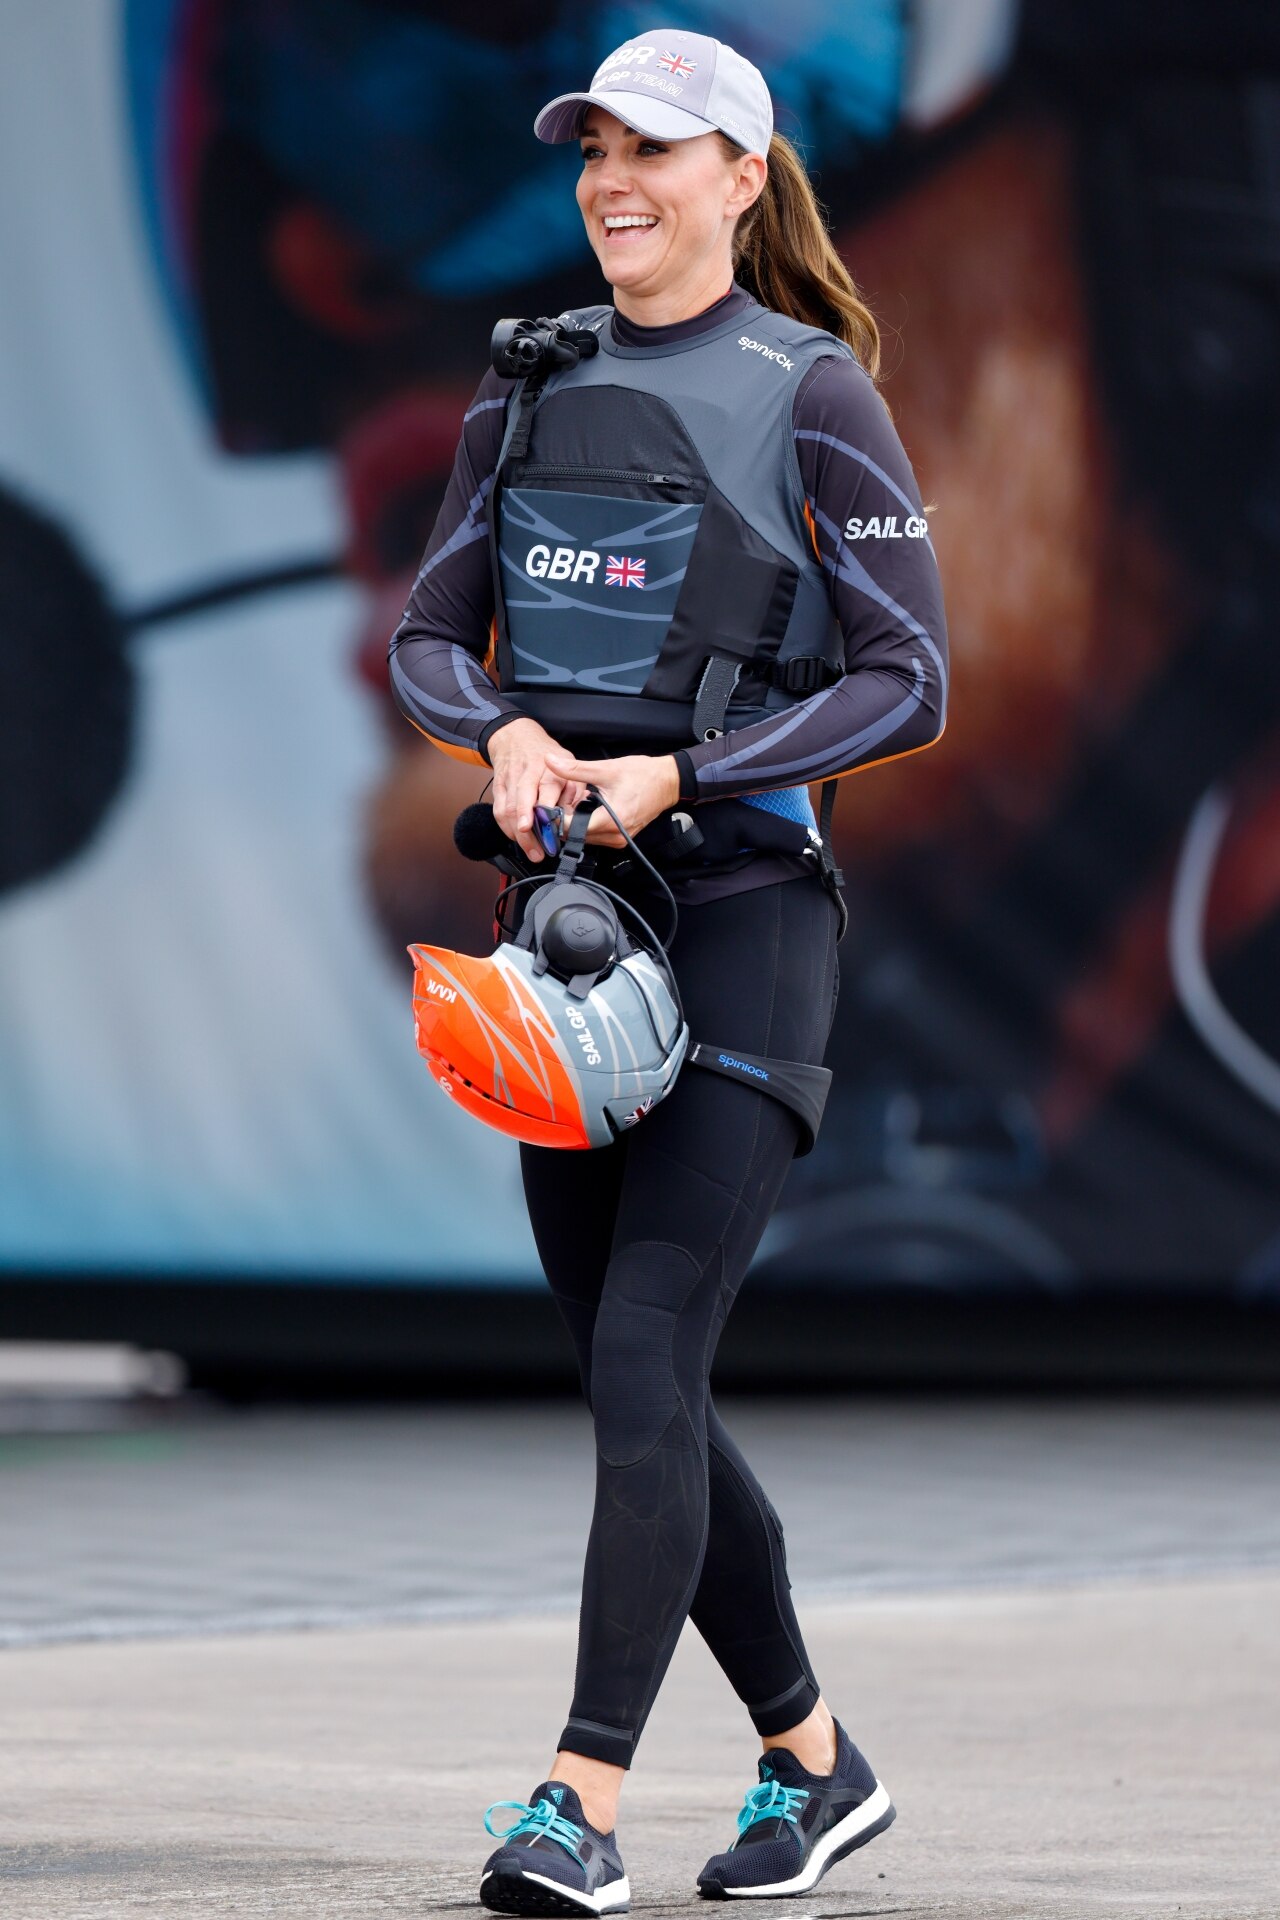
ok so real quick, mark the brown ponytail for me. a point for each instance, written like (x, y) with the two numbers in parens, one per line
(783, 254)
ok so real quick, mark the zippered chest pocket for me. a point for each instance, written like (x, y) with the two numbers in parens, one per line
(621, 482)
(592, 561)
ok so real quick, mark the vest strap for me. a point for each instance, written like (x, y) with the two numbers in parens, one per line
(715, 690)
(522, 421)
(832, 877)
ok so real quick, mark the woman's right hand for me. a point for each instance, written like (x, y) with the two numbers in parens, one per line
(522, 780)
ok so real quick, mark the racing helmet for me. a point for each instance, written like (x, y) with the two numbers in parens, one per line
(571, 1031)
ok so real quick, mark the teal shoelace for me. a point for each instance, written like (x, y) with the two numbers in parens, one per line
(538, 1822)
(771, 1801)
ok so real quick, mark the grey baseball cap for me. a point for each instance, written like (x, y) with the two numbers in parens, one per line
(671, 85)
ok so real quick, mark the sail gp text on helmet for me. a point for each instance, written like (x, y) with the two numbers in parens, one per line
(584, 1035)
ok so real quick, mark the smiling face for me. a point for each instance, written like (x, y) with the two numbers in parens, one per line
(660, 215)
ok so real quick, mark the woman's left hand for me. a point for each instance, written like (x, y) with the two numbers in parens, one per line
(638, 786)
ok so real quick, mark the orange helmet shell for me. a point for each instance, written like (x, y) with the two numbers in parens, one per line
(519, 1053)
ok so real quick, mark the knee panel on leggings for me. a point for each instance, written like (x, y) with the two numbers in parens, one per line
(639, 1334)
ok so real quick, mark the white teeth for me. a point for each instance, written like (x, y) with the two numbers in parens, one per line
(631, 220)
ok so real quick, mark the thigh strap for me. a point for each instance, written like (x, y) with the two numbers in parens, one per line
(793, 1083)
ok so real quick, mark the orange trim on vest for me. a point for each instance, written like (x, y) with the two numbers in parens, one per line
(813, 530)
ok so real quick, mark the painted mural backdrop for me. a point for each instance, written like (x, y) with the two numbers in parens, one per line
(250, 254)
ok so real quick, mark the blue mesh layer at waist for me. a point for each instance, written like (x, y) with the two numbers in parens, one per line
(792, 803)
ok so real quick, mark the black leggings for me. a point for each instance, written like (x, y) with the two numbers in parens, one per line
(645, 1244)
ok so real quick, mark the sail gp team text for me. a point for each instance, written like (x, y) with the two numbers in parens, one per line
(886, 527)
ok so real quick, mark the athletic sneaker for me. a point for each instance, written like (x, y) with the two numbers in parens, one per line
(796, 1824)
(552, 1860)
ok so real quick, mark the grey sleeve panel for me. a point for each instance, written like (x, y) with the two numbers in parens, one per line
(437, 652)
(882, 577)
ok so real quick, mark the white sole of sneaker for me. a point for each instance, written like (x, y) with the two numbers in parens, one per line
(608, 1900)
(611, 1899)
(863, 1824)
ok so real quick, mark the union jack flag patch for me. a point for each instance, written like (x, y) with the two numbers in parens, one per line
(675, 63)
(637, 1113)
(621, 571)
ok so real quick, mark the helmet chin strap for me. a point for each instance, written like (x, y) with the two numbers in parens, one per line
(575, 846)
(575, 841)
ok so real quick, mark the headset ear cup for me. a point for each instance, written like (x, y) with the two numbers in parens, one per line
(579, 938)
(574, 933)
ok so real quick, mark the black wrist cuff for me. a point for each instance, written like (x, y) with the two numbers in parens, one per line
(688, 778)
(490, 727)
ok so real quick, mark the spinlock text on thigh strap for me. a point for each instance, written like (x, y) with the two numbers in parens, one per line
(793, 1083)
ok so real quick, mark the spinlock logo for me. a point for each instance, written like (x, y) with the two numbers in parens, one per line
(583, 1035)
(886, 527)
(743, 1066)
(440, 991)
(758, 346)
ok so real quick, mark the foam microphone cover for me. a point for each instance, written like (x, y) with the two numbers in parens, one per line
(477, 835)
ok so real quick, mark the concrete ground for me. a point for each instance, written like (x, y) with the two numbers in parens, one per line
(1103, 1751)
(1052, 1628)
(128, 1520)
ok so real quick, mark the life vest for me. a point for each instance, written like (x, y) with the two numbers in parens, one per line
(655, 576)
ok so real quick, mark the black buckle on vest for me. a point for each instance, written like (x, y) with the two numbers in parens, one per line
(805, 674)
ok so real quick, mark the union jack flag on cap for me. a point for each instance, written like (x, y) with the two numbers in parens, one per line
(670, 92)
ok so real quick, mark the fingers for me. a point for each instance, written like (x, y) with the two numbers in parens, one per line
(578, 775)
(589, 772)
(545, 774)
(516, 788)
(533, 771)
(608, 777)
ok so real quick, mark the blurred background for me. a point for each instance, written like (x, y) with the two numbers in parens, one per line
(252, 251)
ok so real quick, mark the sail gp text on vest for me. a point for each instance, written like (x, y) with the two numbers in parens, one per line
(886, 527)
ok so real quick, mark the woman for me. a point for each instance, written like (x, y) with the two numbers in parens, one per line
(765, 549)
